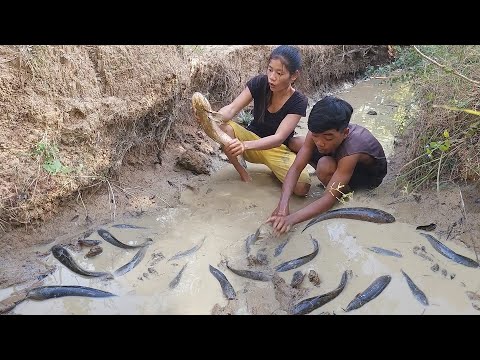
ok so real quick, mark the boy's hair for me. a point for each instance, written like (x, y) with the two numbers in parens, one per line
(329, 113)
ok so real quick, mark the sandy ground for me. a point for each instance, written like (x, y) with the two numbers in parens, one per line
(180, 211)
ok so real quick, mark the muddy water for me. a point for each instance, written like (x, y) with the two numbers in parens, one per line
(224, 211)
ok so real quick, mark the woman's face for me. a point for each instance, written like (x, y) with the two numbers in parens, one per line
(279, 78)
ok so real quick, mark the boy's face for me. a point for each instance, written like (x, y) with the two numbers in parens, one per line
(328, 141)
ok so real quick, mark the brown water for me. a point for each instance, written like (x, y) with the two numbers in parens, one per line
(225, 211)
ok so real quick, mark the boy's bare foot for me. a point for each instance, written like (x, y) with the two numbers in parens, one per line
(246, 178)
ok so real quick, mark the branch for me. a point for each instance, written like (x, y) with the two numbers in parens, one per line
(477, 83)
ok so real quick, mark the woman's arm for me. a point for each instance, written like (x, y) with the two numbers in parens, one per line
(229, 111)
(287, 126)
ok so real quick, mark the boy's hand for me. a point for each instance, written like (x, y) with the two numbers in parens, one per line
(280, 224)
(279, 211)
(235, 147)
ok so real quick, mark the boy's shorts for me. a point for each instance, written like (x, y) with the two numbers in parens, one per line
(278, 159)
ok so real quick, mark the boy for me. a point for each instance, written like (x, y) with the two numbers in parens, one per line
(346, 157)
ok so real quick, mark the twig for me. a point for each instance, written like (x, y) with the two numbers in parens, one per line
(445, 67)
(112, 199)
(438, 172)
(464, 214)
(166, 130)
(80, 195)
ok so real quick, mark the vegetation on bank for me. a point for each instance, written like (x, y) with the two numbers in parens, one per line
(440, 124)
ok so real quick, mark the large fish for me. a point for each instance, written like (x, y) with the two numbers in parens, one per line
(295, 263)
(251, 274)
(419, 294)
(132, 263)
(369, 293)
(55, 291)
(227, 288)
(308, 305)
(356, 213)
(449, 253)
(62, 255)
(115, 242)
(209, 121)
(189, 251)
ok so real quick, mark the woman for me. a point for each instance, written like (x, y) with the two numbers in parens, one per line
(269, 139)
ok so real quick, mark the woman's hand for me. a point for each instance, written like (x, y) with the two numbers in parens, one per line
(235, 147)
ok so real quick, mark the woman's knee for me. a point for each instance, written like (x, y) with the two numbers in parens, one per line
(301, 189)
(295, 143)
(326, 167)
(227, 129)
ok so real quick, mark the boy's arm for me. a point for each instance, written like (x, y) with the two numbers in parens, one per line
(293, 174)
(342, 176)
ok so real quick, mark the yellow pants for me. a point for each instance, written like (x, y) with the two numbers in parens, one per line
(278, 159)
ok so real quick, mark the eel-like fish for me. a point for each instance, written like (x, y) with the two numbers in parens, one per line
(189, 251)
(449, 253)
(295, 263)
(227, 288)
(62, 255)
(250, 240)
(128, 226)
(356, 213)
(308, 305)
(177, 278)
(107, 236)
(384, 251)
(369, 293)
(55, 291)
(250, 274)
(419, 294)
(132, 263)
(279, 248)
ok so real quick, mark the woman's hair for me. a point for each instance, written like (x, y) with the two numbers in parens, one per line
(329, 113)
(290, 57)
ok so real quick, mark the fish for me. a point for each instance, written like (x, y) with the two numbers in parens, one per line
(128, 226)
(94, 251)
(250, 274)
(227, 288)
(295, 263)
(56, 291)
(384, 251)
(209, 121)
(17, 297)
(177, 278)
(419, 294)
(250, 240)
(132, 263)
(62, 255)
(279, 248)
(429, 227)
(448, 253)
(308, 305)
(88, 242)
(297, 279)
(189, 251)
(113, 240)
(369, 293)
(356, 213)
